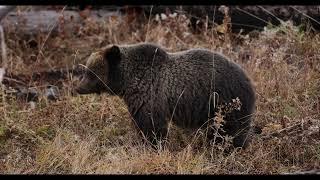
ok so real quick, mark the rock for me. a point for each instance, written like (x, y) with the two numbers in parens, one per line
(52, 93)
(27, 94)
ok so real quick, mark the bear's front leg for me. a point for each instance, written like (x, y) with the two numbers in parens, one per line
(151, 123)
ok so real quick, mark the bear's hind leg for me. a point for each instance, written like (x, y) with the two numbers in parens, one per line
(152, 124)
(242, 137)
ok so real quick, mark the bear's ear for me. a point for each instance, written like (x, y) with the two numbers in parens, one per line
(112, 53)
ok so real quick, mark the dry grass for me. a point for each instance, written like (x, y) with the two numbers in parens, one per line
(94, 134)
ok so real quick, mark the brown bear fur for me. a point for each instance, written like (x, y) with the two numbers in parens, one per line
(158, 86)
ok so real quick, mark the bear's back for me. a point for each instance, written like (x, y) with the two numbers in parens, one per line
(194, 75)
(203, 64)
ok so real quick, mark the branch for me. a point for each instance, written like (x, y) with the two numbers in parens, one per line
(304, 128)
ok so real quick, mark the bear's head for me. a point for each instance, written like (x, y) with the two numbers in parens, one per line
(100, 71)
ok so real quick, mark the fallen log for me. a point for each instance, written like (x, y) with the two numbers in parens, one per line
(247, 18)
(304, 128)
(4, 10)
(243, 18)
(65, 22)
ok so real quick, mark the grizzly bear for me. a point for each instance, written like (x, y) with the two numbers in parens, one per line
(188, 88)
